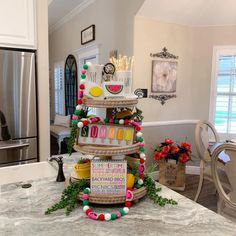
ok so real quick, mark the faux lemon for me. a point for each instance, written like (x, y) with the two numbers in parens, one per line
(130, 181)
(96, 91)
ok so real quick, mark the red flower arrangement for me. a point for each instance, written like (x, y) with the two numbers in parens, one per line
(170, 150)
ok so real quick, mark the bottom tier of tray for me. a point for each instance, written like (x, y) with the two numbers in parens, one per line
(114, 199)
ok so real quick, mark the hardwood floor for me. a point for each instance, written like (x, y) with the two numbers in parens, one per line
(208, 196)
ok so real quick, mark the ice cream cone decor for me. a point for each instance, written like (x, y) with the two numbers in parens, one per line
(120, 135)
(111, 134)
(103, 133)
(94, 132)
(128, 135)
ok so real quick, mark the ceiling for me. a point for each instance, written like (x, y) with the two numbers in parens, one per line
(191, 12)
(58, 9)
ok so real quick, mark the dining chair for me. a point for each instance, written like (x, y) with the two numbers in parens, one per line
(226, 205)
(205, 133)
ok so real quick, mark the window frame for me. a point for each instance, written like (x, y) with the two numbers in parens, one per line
(218, 51)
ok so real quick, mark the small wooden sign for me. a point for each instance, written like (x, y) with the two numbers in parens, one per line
(108, 177)
(112, 135)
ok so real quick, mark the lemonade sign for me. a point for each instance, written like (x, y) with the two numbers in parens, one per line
(108, 177)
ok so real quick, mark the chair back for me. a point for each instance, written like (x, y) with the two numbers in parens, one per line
(203, 132)
(230, 168)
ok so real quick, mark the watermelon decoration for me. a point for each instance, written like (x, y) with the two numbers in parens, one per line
(114, 88)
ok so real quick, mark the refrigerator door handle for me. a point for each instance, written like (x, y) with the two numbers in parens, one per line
(10, 145)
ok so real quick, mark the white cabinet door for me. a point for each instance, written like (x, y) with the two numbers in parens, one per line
(18, 23)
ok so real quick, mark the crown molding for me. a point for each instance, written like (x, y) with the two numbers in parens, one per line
(70, 15)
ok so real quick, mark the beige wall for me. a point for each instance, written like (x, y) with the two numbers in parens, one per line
(114, 20)
(43, 79)
(194, 46)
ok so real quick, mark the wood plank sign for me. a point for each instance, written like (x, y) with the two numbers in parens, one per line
(108, 177)
(113, 135)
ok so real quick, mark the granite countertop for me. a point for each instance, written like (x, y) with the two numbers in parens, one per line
(22, 213)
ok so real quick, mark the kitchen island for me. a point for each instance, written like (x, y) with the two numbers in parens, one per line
(22, 213)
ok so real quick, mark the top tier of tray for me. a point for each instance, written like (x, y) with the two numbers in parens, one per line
(110, 102)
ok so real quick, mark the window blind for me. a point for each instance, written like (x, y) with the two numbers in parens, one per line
(58, 88)
(225, 109)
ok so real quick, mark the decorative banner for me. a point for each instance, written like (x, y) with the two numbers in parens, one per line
(114, 135)
(108, 177)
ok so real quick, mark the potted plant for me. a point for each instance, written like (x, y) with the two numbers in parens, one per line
(172, 158)
(82, 168)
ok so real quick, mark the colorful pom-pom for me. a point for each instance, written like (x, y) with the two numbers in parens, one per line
(82, 86)
(107, 216)
(78, 107)
(118, 215)
(138, 128)
(113, 216)
(93, 215)
(101, 217)
(142, 155)
(111, 121)
(85, 202)
(141, 175)
(80, 125)
(140, 182)
(141, 161)
(85, 66)
(126, 121)
(126, 210)
(139, 134)
(141, 149)
(106, 120)
(138, 186)
(80, 94)
(75, 122)
(88, 211)
(121, 121)
(79, 102)
(122, 212)
(83, 76)
(128, 204)
(83, 71)
(85, 208)
(78, 112)
(88, 189)
(85, 196)
(83, 81)
(140, 139)
(142, 144)
(116, 121)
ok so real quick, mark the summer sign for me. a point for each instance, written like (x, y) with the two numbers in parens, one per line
(108, 177)
(106, 135)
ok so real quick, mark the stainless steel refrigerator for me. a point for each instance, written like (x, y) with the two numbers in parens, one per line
(18, 107)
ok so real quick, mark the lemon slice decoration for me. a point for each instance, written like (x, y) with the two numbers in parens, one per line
(96, 91)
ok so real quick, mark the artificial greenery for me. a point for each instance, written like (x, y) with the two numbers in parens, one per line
(68, 197)
(71, 141)
(152, 192)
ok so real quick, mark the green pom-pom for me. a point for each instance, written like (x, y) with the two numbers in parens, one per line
(78, 112)
(86, 191)
(141, 149)
(83, 76)
(85, 202)
(140, 139)
(116, 121)
(122, 212)
(75, 122)
(106, 120)
(85, 66)
(113, 216)
(138, 186)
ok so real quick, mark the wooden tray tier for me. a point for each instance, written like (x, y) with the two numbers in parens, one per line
(113, 199)
(110, 103)
(106, 150)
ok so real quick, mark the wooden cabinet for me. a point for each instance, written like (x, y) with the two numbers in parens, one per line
(18, 23)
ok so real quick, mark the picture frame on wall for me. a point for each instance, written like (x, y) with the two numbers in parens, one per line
(164, 75)
(88, 34)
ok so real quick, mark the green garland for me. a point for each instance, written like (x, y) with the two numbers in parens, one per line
(68, 198)
(152, 192)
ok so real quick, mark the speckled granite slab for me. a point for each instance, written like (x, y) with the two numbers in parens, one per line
(22, 213)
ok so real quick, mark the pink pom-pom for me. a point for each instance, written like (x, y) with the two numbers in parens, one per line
(85, 196)
(80, 94)
(118, 215)
(141, 168)
(83, 71)
(93, 120)
(93, 215)
(142, 144)
(135, 123)
(74, 117)
(111, 121)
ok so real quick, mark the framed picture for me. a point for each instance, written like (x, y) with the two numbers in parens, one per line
(164, 75)
(88, 34)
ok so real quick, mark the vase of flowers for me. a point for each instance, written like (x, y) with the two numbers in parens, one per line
(172, 158)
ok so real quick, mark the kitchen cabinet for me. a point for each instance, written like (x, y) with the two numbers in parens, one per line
(18, 23)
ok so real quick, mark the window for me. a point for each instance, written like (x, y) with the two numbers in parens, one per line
(223, 96)
(59, 88)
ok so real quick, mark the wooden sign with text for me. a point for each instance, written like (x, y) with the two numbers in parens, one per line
(108, 177)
